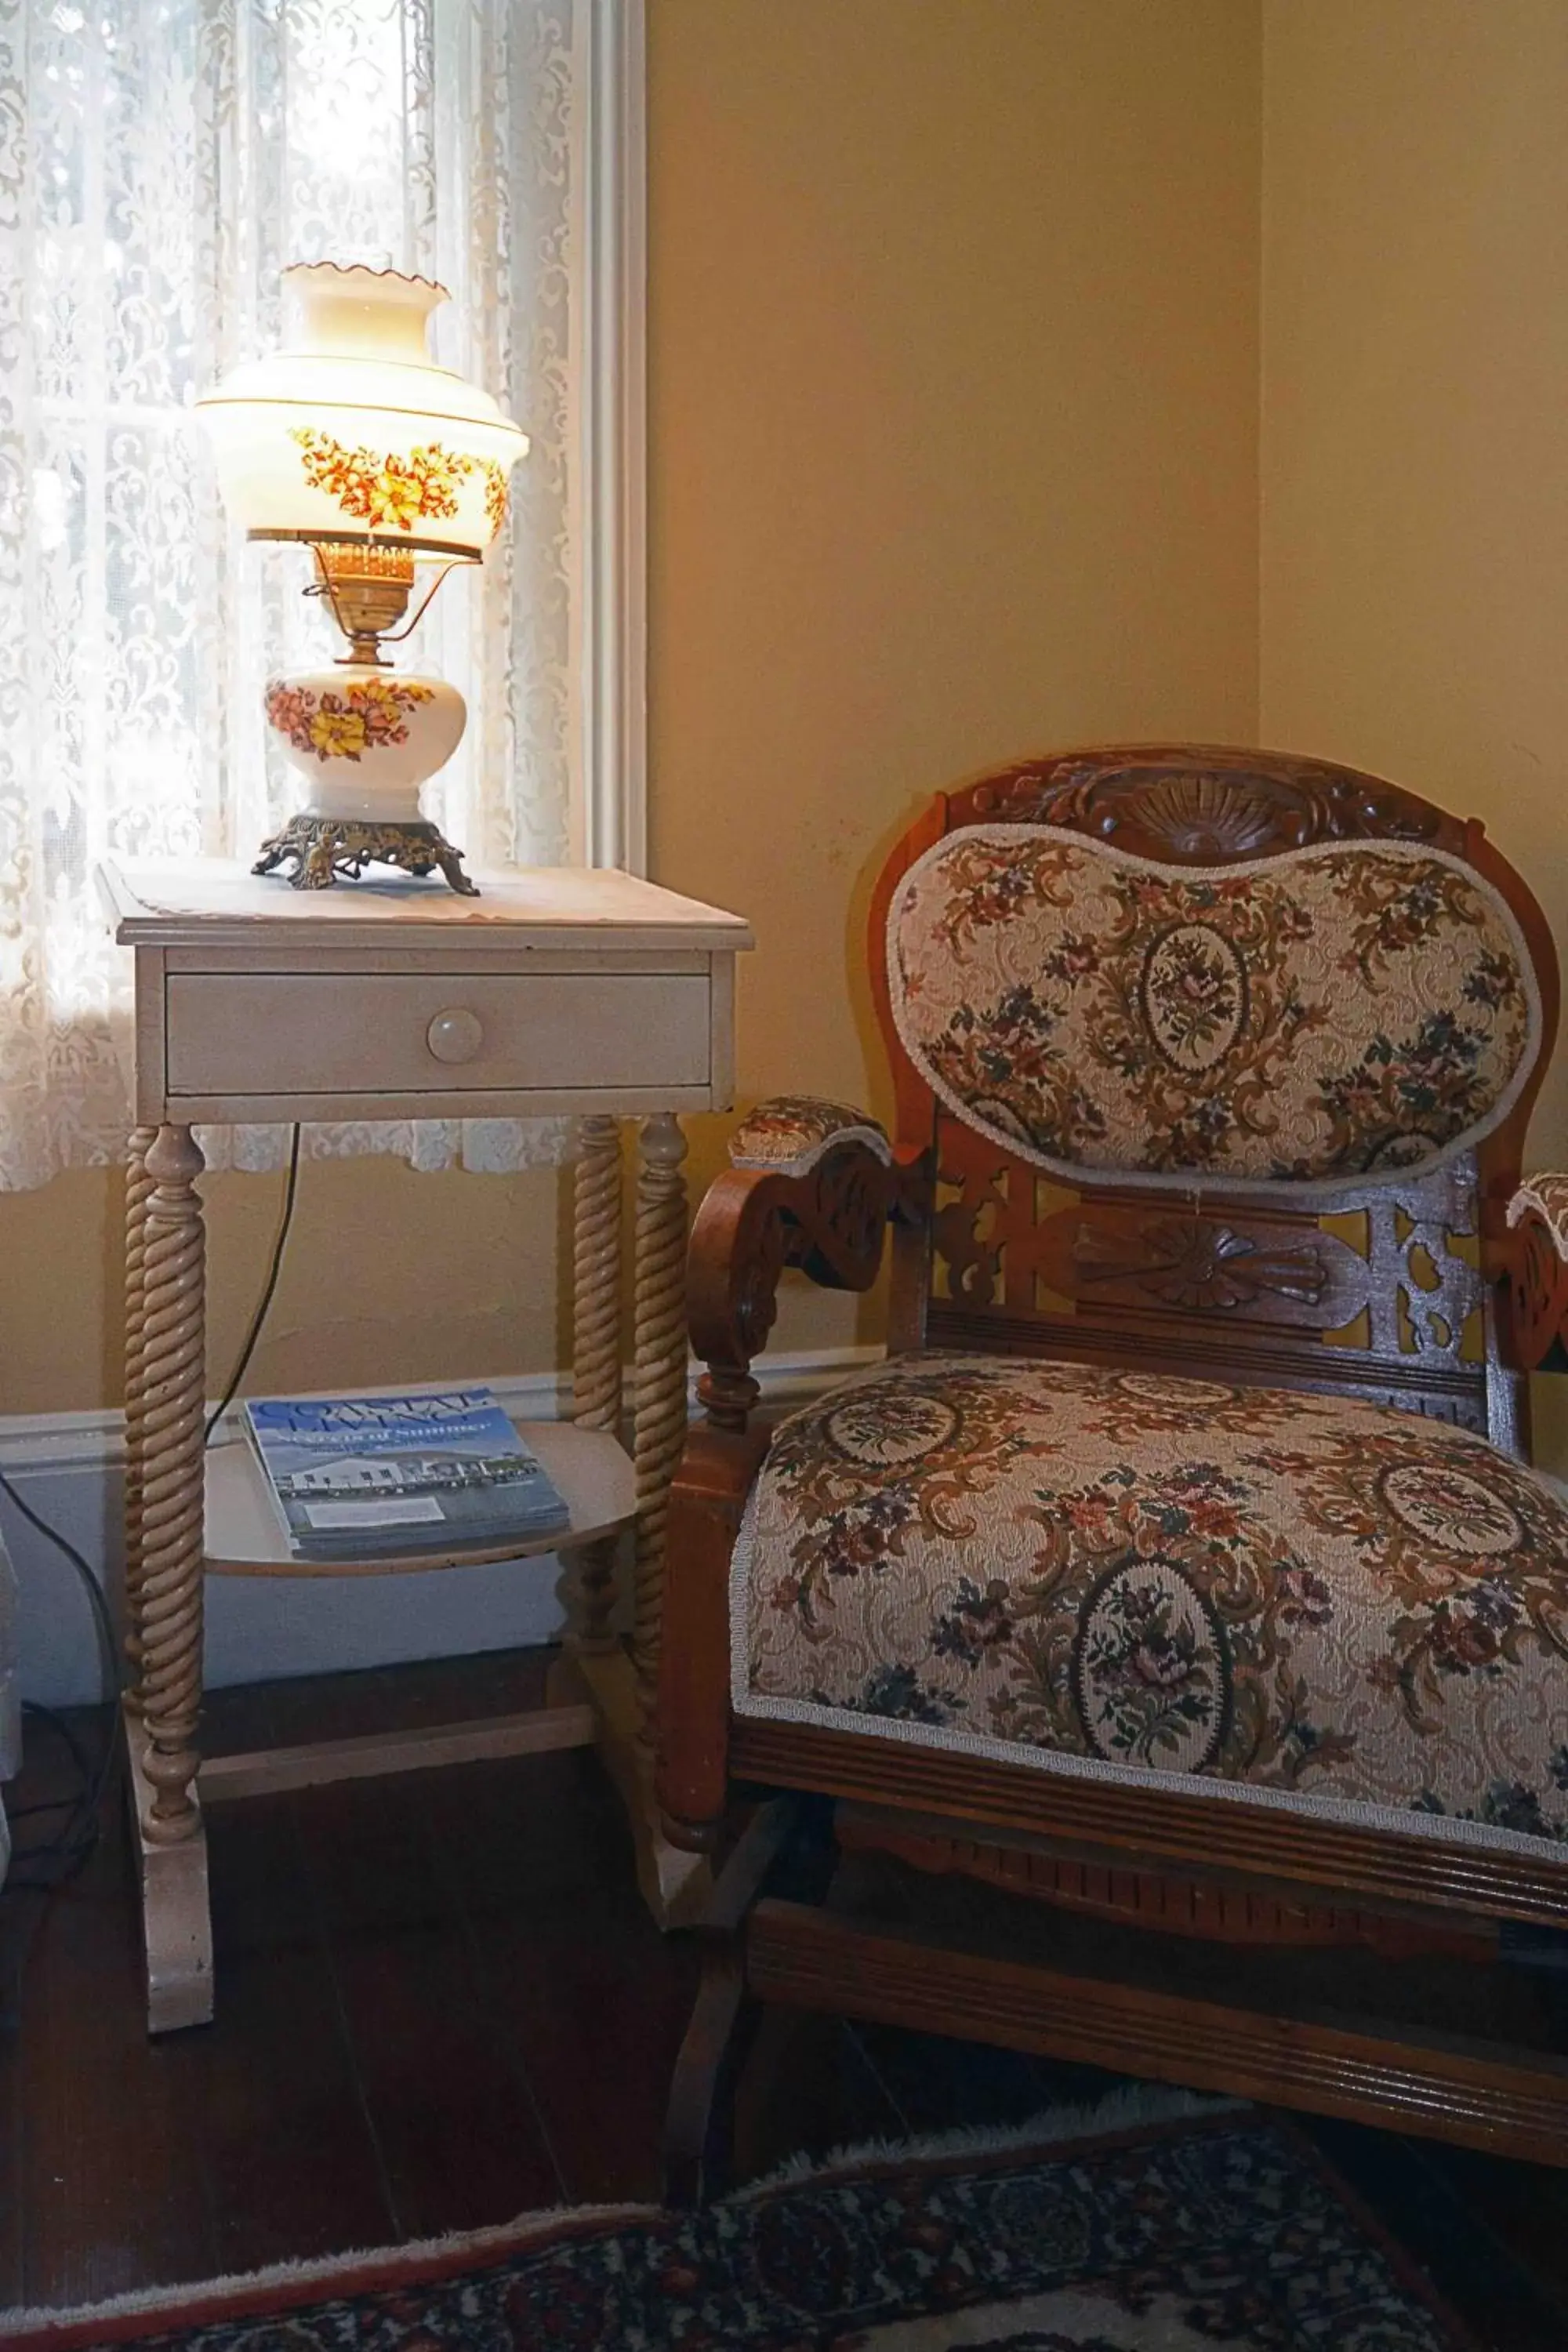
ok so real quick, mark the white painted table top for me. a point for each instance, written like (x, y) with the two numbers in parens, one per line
(219, 902)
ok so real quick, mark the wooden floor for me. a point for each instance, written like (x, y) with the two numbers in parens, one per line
(439, 2003)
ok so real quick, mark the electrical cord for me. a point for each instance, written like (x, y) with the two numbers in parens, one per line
(43, 1868)
(63, 1856)
(248, 1348)
(89, 1583)
(77, 1756)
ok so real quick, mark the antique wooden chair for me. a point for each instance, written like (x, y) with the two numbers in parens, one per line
(1179, 1570)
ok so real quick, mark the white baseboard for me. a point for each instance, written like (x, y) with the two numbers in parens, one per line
(69, 1467)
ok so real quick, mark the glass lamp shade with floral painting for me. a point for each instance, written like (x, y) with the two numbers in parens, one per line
(350, 440)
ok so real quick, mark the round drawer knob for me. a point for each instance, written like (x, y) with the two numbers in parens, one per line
(455, 1035)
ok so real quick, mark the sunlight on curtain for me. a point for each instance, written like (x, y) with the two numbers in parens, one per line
(161, 162)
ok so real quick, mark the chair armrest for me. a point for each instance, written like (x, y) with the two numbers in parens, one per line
(824, 1206)
(1537, 1270)
(829, 1220)
(787, 1135)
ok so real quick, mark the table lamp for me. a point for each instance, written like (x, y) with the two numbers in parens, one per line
(350, 440)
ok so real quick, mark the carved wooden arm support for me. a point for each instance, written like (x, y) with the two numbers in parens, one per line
(829, 1217)
(1537, 1259)
(829, 1220)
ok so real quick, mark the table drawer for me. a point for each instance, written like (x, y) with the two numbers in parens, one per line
(271, 1034)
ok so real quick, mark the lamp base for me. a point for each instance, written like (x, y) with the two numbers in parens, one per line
(326, 849)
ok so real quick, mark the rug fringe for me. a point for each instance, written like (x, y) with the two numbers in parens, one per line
(41, 2320)
(1119, 2110)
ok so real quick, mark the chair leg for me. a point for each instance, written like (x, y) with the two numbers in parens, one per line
(699, 2126)
(699, 2121)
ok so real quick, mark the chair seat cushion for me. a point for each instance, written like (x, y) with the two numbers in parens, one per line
(1323, 1604)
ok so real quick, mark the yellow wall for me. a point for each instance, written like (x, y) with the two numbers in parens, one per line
(1414, 458)
(388, 1277)
(953, 456)
(954, 378)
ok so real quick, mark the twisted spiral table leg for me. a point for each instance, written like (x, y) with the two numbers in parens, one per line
(171, 1406)
(137, 1187)
(659, 1421)
(595, 1350)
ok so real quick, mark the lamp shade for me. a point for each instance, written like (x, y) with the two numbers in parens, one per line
(351, 432)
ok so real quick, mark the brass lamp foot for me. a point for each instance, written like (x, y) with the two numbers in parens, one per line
(325, 848)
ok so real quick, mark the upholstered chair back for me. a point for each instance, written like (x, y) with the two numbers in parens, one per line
(1223, 1056)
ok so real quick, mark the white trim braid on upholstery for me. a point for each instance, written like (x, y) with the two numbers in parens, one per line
(1546, 1193)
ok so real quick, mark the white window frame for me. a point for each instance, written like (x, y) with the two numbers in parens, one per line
(610, 821)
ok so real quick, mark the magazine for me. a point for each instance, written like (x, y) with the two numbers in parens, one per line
(352, 1476)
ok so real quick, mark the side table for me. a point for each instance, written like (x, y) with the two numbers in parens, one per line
(558, 991)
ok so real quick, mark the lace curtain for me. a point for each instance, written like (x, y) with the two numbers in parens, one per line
(161, 162)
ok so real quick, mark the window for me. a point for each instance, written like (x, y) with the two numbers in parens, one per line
(161, 162)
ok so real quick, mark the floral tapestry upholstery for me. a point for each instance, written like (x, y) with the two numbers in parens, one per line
(1307, 1019)
(790, 1133)
(1316, 1602)
(1547, 1194)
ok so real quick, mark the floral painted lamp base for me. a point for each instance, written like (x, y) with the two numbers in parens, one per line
(323, 850)
(366, 737)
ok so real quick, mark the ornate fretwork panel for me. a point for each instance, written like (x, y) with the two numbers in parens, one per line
(1383, 1294)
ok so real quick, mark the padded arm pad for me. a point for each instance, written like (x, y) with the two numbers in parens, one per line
(1546, 1196)
(789, 1134)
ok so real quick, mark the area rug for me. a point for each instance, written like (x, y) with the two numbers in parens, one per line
(1210, 2232)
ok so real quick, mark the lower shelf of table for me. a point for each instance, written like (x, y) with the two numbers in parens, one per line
(590, 1469)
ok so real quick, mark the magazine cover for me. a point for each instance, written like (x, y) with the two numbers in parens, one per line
(401, 1472)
